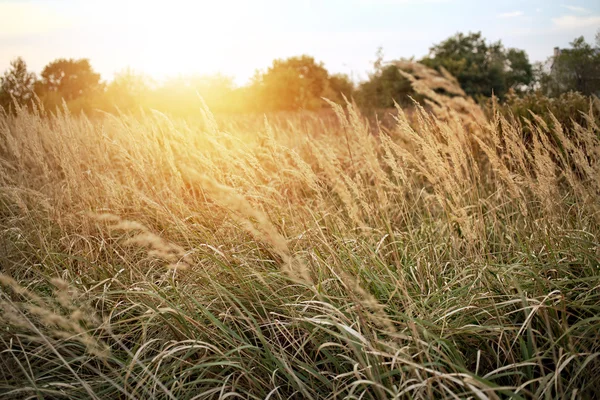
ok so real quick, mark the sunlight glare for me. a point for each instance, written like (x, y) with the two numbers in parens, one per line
(167, 38)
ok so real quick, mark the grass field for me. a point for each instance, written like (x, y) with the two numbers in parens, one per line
(451, 256)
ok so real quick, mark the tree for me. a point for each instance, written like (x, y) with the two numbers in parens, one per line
(481, 68)
(291, 84)
(128, 90)
(17, 83)
(181, 95)
(384, 87)
(339, 86)
(519, 71)
(71, 78)
(574, 69)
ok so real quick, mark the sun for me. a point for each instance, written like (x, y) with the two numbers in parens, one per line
(167, 38)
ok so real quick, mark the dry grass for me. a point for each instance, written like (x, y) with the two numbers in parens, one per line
(144, 257)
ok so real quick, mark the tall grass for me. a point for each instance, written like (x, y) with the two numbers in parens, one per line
(448, 257)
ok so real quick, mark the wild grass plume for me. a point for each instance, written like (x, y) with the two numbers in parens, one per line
(452, 255)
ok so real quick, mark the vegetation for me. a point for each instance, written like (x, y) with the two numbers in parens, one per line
(384, 88)
(482, 68)
(292, 84)
(148, 257)
(17, 83)
(567, 110)
(575, 69)
(70, 79)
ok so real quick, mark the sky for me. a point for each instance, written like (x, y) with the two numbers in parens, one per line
(235, 38)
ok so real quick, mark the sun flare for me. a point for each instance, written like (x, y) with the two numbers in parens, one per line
(182, 38)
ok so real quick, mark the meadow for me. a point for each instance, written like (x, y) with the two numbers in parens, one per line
(451, 254)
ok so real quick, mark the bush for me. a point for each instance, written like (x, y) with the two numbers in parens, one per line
(568, 108)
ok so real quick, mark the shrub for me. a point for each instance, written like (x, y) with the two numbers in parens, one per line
(568, 108)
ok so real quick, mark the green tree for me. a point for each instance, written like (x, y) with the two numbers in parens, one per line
(383, 88)
(574, 69)
(519, 71)
(17, 84)
(481, 68)
(291, 84)
(339, 86)
(70, 79)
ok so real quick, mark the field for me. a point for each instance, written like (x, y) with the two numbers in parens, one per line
(451, 254)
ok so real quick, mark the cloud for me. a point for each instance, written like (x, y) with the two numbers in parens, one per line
(576, 9)
(569, 22)
(25, 18)
(513, 14)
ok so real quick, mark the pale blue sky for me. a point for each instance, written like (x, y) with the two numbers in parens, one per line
(165, 38)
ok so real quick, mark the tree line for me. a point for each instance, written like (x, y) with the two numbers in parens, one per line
(482, 68)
